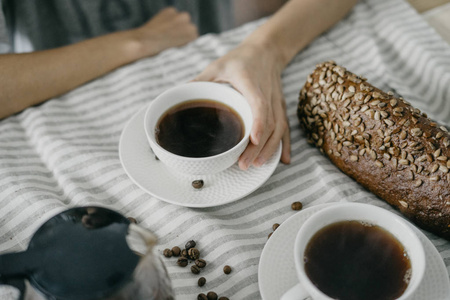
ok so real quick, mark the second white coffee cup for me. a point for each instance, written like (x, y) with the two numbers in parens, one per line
(367, 214)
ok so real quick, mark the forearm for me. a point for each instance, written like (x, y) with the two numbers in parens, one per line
(297, 24)
(31, 78)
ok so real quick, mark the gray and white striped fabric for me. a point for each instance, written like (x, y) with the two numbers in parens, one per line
(64, 153)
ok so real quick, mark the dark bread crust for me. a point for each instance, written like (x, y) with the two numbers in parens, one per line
(382, 142)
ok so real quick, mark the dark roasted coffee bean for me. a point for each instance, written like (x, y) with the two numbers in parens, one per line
(182, 261)
(167, 253)
(275, 226)
(193, 253)
(211, 296)
(202, 297)
(297, 205)
(198, 184)
(176, 251)
(195, 269)
(227, 269)
(201, 263)
(190, 244)
(184, 253)
(132, 220)
(201, 281)
(270, 234)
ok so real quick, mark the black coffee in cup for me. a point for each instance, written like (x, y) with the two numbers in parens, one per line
(350, 260)
(199, 128)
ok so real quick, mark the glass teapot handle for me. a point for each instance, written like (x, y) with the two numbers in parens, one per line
(140, 240)
(18, 283)
(151, 280)
(15, 267)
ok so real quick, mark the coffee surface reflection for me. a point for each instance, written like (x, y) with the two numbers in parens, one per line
(199, 128)
(352, 260)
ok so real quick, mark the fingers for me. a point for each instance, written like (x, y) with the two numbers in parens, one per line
(182, 23)
(281, 132)
(286, 139)
(286, 147)
(169, 28)
(208, 74)
(171, 12)
(257, 155)
(168, 14)
(271, 131)
(263, 124)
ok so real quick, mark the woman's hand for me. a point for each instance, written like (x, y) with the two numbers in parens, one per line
(255, 71)
(168, 28)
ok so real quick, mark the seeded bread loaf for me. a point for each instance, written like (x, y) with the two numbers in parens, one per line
(382, 142)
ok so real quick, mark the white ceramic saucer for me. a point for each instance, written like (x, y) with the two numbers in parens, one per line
(155, 178)
(277, 274)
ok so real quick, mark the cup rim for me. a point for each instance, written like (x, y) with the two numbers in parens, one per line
(151, 137)
(406, 228)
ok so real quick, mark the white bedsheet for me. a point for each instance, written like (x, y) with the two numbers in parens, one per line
(64, 152)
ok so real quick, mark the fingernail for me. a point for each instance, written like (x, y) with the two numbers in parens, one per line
(256, 138)
(243, 165)
(259, 162)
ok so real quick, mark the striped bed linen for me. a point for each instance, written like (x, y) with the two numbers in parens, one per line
(64, 153)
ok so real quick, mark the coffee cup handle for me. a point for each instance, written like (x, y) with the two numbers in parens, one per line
(297, 292)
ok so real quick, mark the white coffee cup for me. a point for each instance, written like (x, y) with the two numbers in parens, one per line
(198, 90)
(366, 213)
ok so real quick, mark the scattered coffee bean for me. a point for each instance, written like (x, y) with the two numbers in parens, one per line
(132, 220)
(195, 269)
(167, 253)
(270, 234)
(227, 269)
(193, 253)
(182, 261)
(211, 296)
(198, 184)
(190, 244)
(201, 281)
(91, 210)
(184, 253)
(176, 251)
(202, 297)
(201, 263)
(297, 205)
(275, 226)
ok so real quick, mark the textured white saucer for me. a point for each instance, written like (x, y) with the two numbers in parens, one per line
(277, 274)
(155, 178)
